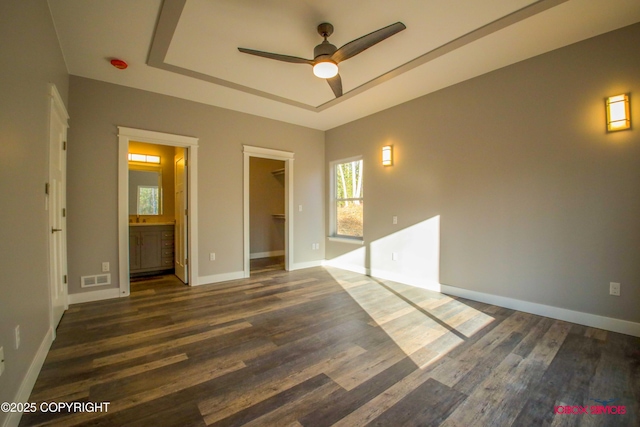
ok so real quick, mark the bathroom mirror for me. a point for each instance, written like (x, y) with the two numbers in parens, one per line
(145, 190)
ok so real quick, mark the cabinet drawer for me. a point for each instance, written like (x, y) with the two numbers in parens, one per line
(167, 262)
(167, 235)
(167, 252)
(167, 244)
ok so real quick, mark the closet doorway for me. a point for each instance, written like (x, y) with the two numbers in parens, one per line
(266, 214)
(268, 201)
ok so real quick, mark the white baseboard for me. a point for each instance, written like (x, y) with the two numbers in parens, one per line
(411, 281)
(581, 318)
(309, 264)
(94, 296)
(216, 278)
(13, 419)
(257, 255)
(346, 266)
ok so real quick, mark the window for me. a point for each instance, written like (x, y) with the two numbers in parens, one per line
(347, 209)
(148, 200)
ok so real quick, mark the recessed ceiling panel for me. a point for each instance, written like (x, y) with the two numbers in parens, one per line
(188, 48)
(208, 34)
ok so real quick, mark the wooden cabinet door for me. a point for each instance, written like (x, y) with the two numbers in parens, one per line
(134, 251)
(151, 249)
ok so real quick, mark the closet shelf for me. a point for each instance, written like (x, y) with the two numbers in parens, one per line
(278, 172)
(278, 216)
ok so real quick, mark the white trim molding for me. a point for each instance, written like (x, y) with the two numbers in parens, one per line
(258, 255)
(217, 278)
(29, 380)
(308, 264)
(125, 135)
(287, 157)
(581, 318)
(92, 296)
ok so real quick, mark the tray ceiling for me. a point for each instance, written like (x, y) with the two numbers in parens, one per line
(188, 48)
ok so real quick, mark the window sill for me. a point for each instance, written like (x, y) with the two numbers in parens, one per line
(353, 241)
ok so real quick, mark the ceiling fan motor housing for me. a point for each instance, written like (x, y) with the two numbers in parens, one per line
(324, 49)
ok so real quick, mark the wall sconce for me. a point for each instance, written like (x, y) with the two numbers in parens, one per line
(144, 158)
(387, 155)
(618, 117)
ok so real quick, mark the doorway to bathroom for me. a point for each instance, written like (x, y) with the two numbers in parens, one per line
(157, 213)
(157, 210)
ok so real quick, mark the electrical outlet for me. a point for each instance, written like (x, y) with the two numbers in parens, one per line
(1, 360)
(394, 256)
(299, 208)
(614, 289)
(212, 256)
(17, 333)
(395, 220)
(105, 267)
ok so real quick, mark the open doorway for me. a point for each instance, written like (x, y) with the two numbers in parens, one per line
(280, 172)
(266, 212)
(179, 239)
(157, 210)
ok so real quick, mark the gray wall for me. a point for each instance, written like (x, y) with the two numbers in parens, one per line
(266, 197)
(535, 200)
(97, 108)
(30, 60)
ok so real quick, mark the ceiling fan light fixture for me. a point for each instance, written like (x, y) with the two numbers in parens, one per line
(325, 69)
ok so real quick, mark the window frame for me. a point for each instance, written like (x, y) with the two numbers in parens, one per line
(158, 190)
(333, 224)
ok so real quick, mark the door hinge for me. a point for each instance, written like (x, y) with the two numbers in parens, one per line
(46, 188)
(64, 213)
(186, 261)
(186, 212)
(64, 279)
(64, 145)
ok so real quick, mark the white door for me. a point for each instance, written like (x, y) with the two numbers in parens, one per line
(56, 205)
(181, 216)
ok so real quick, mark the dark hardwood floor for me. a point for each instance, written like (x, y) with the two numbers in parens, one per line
(322, 347)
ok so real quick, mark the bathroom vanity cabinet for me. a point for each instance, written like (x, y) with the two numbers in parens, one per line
(150, 248)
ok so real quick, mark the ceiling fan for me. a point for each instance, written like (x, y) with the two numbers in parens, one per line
(326, 56)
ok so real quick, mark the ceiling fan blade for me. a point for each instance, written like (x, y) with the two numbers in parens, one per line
(336, 85)
(357, 46)
(276, 56)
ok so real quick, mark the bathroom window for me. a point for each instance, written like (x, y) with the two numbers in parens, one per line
(148, 200)
(145, 190)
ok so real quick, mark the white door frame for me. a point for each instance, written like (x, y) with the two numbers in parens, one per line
(287, 158)
(58, 292)
(125, 135)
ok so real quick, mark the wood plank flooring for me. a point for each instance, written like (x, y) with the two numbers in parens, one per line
(321, 347)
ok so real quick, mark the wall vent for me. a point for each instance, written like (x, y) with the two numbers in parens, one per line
(97, 280)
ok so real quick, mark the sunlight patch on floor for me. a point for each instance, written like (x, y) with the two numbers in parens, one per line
(425, 324)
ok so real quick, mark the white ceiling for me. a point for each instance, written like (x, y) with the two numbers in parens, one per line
(188, 48)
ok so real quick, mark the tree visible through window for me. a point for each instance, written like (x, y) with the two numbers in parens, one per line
(148, 200)
(348, 199)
